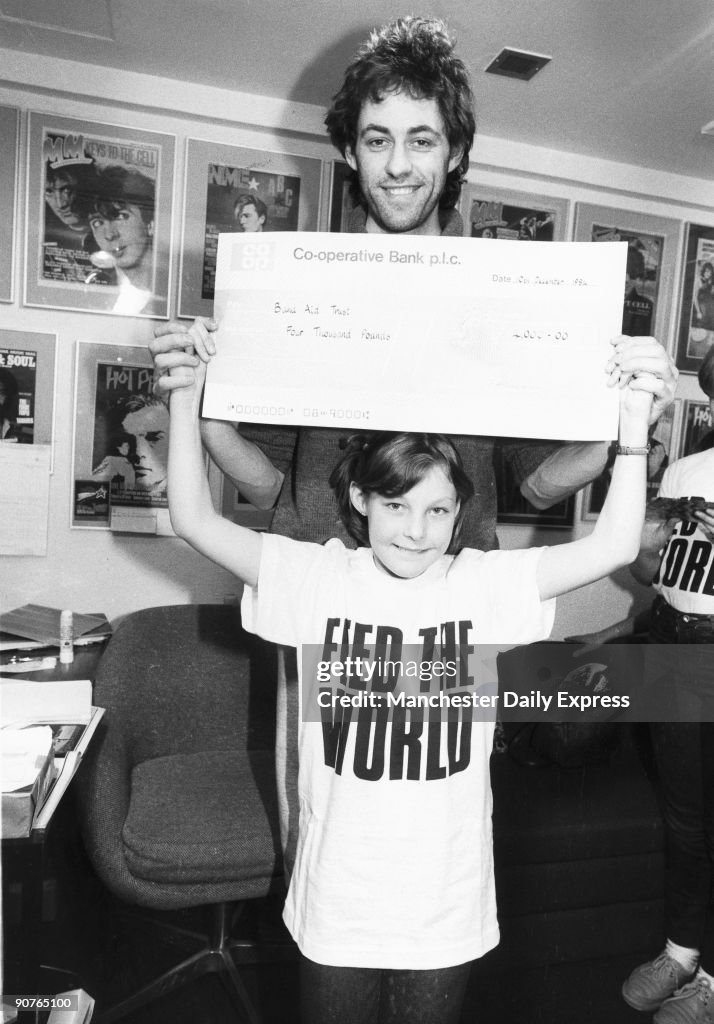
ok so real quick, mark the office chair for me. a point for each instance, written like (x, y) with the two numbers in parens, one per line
(178, 796)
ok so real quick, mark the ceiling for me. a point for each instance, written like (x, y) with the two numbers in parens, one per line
(629, 80)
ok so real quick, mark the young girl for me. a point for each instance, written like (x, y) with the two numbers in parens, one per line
(392, 893)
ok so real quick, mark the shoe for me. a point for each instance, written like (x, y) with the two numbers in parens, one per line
(650, 984)
(691, 1004)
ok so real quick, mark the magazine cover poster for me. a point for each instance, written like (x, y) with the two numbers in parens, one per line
(490, 218)
(18, 376)
(27, 386)
(239, 199)
(120, 434)
(9, 151)
(696, 324)
(697, 427)
(234, 189)
(99, 238)
(642, 276)
(131, 436)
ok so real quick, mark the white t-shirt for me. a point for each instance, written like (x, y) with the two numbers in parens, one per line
(686, 575)
(394, 865)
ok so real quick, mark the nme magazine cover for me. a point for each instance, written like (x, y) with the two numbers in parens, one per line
(240, 199)
(18, 372)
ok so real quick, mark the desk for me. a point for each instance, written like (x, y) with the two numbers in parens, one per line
(27, 864)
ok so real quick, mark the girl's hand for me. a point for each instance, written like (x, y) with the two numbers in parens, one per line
(177, 349)
(646, 359)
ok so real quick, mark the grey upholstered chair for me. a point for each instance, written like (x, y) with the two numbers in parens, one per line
(178, 798)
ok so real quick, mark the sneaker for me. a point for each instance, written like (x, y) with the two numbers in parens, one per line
(650, 984)
(691, 1004)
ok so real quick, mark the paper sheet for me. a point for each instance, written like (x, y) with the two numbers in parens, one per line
(24, 498)
(408, 332)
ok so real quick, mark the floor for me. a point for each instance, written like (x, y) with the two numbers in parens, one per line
(111, 954)
(131, 951)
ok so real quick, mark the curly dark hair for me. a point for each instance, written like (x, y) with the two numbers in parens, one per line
(413, 55)
(390, 464)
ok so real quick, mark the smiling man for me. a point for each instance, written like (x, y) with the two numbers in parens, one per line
(403, 120)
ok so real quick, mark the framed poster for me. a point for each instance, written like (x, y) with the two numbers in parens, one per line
(652, 244)
(341, 202)
(235, 507)
(99, 209)
(233, 189)
(27, 386)
(502, 213)
(696, 305)
(662, 452)
(10, 134)
(697, 427)
(515, 509)
(121, 439)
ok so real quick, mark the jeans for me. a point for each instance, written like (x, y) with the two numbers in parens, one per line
(356, 995)
(684, 751)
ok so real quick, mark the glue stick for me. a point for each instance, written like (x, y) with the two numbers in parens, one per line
(66, 638)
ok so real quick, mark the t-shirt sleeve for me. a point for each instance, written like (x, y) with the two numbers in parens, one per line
(288, 578)
(505, 594)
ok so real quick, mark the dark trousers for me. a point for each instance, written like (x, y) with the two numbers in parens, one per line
(684, 752)
(355, 995)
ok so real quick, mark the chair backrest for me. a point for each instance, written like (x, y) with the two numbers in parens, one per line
(176, 681)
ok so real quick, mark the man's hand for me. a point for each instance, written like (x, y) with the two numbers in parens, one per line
(177, 349)
(644, 362)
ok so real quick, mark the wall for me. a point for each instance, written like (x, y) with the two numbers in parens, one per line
(97, 570)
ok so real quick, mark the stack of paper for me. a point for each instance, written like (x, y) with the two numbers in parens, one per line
(27, 769)
(35, 625)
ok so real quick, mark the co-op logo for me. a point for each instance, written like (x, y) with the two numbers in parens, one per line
(252, 256)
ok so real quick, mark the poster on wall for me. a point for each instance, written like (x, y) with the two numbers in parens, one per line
(233, 189)
(652, 244)
(27, 387)
(9, 133)
(121, 441)
(697, 433)
(513, 508)
(27, 384)
(502, 213)
(696, 311)
(98, 217)
(342, 202)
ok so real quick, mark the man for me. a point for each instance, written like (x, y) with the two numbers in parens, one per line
(67, 240)
(141, 443)
(404, 122)
(250, 213)
(122, 221)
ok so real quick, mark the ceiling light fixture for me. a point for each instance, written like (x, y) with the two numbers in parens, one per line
(515, 63)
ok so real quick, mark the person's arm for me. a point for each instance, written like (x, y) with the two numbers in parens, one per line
(193, 516)
(574, 465)
(249, 469)
(615, 539)
(177, 349)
